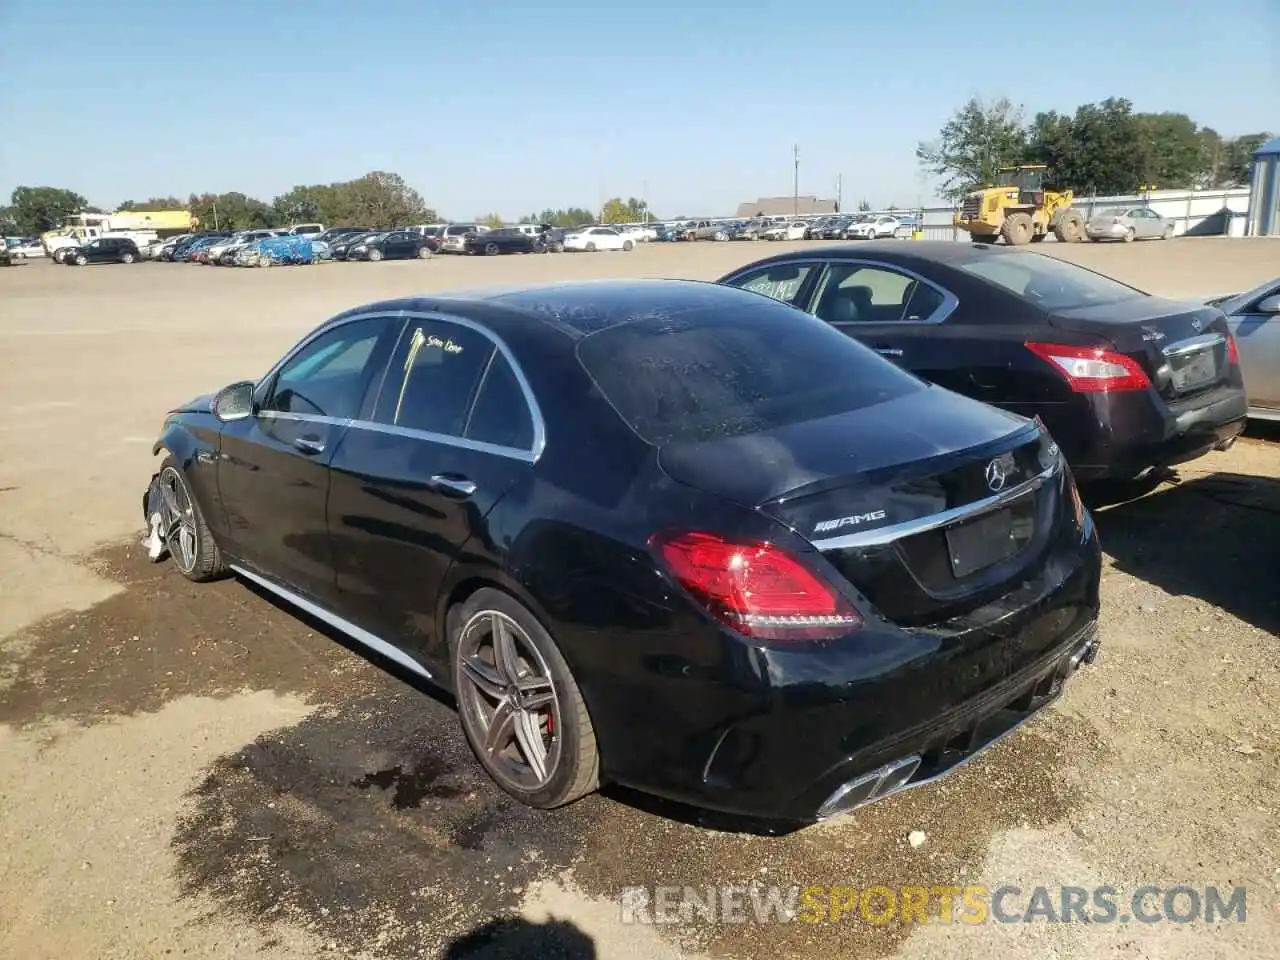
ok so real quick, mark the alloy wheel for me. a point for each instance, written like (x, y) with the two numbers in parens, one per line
(180, 519)
(508, 700)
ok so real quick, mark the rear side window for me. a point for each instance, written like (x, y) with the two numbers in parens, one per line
(714, 373)
(501, 414)
(1048, 283)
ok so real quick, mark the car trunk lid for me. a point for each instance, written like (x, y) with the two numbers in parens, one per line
(928, 507)
(1182, 347)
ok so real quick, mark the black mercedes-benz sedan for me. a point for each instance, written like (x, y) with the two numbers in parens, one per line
(662, 533)
(1126, 382)
(500, 240)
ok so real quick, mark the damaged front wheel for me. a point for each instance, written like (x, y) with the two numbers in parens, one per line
(176, 523)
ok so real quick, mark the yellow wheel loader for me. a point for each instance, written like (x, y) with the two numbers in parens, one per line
(1019, 209)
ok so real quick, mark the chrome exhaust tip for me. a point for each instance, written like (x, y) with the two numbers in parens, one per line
(870, 787)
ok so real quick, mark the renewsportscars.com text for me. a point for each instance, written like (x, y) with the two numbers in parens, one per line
(971, 904)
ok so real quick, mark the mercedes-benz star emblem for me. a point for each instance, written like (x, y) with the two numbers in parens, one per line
(996, 476)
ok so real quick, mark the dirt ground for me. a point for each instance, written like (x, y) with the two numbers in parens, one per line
(196, 771)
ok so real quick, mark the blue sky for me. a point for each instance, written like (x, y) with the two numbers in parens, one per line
(513, 106)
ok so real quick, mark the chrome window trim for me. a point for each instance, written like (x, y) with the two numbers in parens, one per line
(530, 455)
(514, 453)
(359, 634)
(949, 300)
(910, 528)
(1206, 341)
(303, 417)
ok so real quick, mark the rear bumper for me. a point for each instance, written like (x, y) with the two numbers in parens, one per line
(779, 745)
(1122, 435)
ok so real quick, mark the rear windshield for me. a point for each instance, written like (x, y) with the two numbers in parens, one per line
(706, 374)
(1047, 283)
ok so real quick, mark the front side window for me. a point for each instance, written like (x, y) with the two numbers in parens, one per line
(328, 377)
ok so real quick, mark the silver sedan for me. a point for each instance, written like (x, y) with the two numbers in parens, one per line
(1254, 318)
(1128, 224)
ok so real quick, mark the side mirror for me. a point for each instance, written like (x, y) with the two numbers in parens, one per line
(1269, 304)
(234, 402)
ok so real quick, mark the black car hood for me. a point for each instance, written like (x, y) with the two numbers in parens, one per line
(759, 467)
(200, 404)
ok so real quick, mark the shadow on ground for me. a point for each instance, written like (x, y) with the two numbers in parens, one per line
(517, 939)
(370, 824)
(1216, 538)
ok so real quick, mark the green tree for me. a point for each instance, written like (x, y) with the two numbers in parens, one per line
(618, 210)
(490, 220)
(973, 145)
(571, 217)
(1236, 162)
(382, 201)
(377, 200)
(231, 211)
(155, 203)
(34, 210)
(864, 205)
(1175, 150)
(1104, 148)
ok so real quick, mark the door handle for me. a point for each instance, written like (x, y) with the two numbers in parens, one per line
(888, 351)
(458, 486)
(309, 445)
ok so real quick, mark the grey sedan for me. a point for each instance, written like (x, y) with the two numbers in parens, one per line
(1254, 318)
(1128, 224)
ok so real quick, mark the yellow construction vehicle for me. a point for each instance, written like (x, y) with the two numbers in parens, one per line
(1019, 209)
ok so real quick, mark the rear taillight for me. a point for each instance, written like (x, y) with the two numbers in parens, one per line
(1092, 369)
(1233, 351)
(754, 587)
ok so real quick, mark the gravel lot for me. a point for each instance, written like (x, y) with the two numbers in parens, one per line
(195, 770)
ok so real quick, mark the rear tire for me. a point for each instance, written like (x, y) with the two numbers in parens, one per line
(1069, 228)
(1017, 229)
(627, 245)
(424, 253)
(560, 728)
(195, 553)
(591, 247)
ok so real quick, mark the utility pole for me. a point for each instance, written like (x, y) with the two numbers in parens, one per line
(795, 183)
(839, 192)
(644, 196)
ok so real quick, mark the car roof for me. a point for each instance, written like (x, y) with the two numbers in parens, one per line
(575, 309)
(947, 252)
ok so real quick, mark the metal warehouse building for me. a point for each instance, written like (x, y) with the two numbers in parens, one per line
(784, 207)
(1264, 192)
